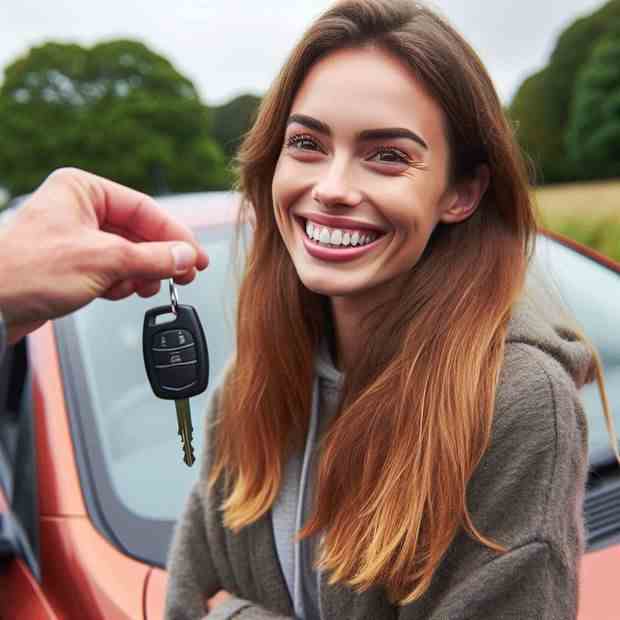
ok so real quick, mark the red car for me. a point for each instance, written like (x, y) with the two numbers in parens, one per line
(91, 470)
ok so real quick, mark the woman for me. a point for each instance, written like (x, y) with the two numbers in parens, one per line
(394, 397)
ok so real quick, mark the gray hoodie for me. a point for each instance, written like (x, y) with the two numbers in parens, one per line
(292, 507)
(527, 492)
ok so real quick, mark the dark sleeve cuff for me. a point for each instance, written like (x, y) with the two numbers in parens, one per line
(3, 337)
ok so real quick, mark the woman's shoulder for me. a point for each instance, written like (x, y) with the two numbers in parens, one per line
(537, 398)
(539, 434)
(545, 365)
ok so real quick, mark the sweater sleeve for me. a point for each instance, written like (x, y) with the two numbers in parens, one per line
(192, 576)
(526, 494)
(238, 609)
(527, 582)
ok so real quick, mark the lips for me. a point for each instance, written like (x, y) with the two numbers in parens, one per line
(337, 255)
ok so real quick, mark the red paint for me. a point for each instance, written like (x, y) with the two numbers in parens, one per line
(598, 585)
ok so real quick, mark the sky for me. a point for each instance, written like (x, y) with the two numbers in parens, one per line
(232, 47)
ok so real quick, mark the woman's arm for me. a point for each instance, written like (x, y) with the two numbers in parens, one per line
(527, 494)
(527, 582)
(192, 575)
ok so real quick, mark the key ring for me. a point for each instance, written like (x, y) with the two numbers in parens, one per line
(174, 300)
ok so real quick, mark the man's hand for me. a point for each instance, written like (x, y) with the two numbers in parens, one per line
(217, 599)
(80, 236)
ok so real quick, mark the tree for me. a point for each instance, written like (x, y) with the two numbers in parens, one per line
(528, 111)
(116, 109)
(230, 122)
(593, 136)
(549, 104)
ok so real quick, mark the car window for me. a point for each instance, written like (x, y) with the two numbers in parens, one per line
(591, 292)
(138, 431)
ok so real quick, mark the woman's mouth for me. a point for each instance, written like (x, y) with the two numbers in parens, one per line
(336, 244)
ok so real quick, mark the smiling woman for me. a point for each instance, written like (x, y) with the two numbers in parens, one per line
(399, 432)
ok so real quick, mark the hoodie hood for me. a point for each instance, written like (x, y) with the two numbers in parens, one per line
(553, 330)
(547, 326)
(330, 377)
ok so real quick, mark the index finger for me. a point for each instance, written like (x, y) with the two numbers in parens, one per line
(135, 215)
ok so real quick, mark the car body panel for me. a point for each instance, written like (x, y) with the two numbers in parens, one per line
(60, 492)
(155, 596)
(598, 585)
(22, 596)
(85, 576)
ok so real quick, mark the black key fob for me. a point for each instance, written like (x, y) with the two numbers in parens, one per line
(176, 357)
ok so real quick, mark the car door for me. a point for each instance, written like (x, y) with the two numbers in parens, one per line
(20, 578)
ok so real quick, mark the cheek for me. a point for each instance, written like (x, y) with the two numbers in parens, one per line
(281, 187)
(278, 191)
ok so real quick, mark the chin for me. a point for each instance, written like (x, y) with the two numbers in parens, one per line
(331, 288)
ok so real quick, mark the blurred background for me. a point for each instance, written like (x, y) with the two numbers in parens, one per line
(158, 96)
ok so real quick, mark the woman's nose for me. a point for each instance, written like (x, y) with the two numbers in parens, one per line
(337, 187)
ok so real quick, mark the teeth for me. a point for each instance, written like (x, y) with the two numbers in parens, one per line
(337, 238)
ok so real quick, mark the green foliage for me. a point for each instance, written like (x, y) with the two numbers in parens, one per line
(593, 136)
(600, 233)
(230, 122)
(528, 111)
(116, 109)
(542, 104)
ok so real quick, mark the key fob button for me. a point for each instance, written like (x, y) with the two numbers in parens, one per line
(172, 339)
(178, 377)
(174, 356)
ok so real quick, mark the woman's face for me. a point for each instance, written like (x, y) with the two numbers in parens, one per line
(372, 200)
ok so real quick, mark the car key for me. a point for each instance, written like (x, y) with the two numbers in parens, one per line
(176, 359)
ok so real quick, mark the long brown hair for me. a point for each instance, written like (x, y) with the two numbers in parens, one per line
(442, 340)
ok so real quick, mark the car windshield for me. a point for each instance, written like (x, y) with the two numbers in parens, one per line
(138, 432)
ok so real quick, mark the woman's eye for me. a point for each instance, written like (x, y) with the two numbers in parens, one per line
(301, 142)
(394, 156)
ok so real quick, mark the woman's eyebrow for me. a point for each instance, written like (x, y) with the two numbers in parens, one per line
(367, 134)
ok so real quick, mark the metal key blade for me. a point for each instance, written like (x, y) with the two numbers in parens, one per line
(184, 420)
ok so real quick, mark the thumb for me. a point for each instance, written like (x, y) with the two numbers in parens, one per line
(157, 260)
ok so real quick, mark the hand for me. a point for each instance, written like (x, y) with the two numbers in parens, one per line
(217, 599)
(80, 236)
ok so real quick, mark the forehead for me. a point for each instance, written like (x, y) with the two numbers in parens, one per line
(353, 89)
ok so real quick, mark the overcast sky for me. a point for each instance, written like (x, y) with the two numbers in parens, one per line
(229, 47)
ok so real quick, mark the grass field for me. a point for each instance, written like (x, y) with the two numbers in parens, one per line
(586, 212)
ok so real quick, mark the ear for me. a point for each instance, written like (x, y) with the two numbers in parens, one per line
(465, 196)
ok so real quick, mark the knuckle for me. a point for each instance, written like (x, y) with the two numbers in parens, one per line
(123, 257)
(66, 173)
